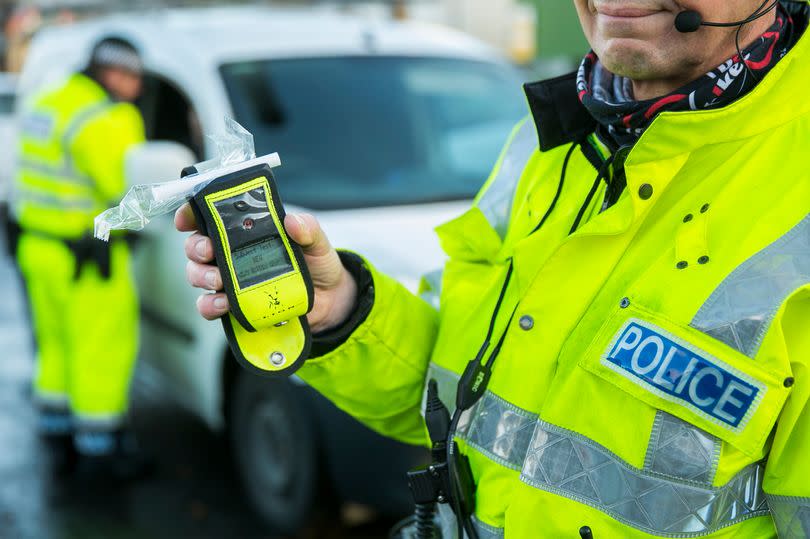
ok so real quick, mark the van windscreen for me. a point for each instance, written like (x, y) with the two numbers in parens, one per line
(374, 131)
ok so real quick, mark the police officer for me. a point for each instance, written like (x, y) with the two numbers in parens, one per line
(72, 147)
(624, 314)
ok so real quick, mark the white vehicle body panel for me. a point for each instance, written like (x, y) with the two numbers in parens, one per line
(8, 87)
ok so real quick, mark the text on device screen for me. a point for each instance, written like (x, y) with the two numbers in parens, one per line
(258, 253)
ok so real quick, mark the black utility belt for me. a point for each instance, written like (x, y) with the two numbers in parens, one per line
(86, 250)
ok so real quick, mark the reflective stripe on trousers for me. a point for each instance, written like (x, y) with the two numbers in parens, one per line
(565, 463)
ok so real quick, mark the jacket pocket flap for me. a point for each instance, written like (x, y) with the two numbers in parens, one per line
(689, 375)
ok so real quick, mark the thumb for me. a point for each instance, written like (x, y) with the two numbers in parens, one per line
(305, 230)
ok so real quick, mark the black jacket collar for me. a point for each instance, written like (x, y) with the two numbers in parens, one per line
(558, 113)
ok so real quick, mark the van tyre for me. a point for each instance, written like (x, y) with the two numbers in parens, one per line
(275, 450)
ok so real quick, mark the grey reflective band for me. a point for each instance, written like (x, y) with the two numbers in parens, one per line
(570, 465)
(432, 284)
(51, 400)
(24, 195)
(65, 172)
(78, 121)
(62, 172)
(739, 313)
(447, 382)
(99, 422)
(680, 450)
(791, 515)
(37, 125)
(75, 126)
(498, 429)
(671, 496)
(485, 531)
(496, 201)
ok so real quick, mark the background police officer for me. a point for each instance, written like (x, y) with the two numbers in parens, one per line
(632, 282)
(72, 149)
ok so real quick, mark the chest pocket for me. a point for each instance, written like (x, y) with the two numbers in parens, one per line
(685, 373)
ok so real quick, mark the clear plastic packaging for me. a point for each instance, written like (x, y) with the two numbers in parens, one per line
(144, 202)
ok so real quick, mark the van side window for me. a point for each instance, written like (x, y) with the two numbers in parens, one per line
(168, 114)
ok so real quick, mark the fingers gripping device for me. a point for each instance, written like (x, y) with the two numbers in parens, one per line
(263, 270)
(236, 203)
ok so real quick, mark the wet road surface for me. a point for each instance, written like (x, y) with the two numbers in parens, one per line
(193, 494)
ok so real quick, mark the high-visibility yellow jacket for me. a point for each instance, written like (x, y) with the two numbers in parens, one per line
(654, 379)
(72, 145)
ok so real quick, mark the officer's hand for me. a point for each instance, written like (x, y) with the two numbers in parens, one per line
(335, 288)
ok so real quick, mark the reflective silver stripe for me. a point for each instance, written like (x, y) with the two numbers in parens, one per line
(447, 382)
(495, 427)
(498, 429)
(496, 201)
(37, 125)
(79, 121)
(24, 195)
(485, 531)
(51, 400)
(432, 287)
(99, 422)
(672, 495)
(740, 311)
(681, 450)
(570, 465)
(76, 124)
(791, 515)
(61, 173)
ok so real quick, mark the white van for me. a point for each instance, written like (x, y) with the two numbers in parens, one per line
(385, 130)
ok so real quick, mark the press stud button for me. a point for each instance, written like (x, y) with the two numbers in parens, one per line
(645, 192)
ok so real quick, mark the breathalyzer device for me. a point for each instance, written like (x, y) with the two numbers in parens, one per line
(263, 271)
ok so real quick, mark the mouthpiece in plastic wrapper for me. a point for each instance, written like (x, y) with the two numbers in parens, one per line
(144, 202)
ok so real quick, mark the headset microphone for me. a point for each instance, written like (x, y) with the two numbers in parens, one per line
(690, 21)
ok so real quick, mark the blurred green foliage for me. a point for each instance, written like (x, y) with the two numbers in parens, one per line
(558, 30)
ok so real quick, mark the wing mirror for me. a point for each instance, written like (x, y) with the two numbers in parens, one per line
(157, 161)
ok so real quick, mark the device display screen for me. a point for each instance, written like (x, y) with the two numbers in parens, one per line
(258, 253)
(261, 261)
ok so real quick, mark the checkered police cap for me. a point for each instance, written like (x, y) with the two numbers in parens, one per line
(115, 52)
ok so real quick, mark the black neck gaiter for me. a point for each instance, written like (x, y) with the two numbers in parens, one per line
(622, 120)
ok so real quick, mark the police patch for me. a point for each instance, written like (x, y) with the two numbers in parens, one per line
(37, 126)
(682, 373)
